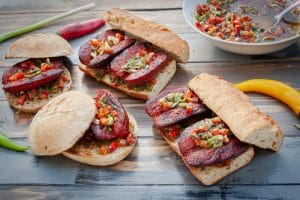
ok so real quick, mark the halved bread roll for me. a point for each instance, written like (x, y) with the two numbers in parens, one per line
(61, 124)
(37, 104)
(41, 45)
(91, 156)
(39, 48)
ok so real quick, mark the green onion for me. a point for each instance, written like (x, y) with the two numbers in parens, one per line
(43, 23)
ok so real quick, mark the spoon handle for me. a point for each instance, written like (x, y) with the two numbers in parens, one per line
(293, 5)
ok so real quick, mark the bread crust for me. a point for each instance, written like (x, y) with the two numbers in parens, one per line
(33, 107)
(41, 45)
(234, 107)
(157, 34)
(61, 122)
(163, 77)
(92, 157)
(210, 175)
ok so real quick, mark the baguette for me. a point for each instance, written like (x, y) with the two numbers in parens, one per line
(209, 175)
(247, 123)
(163, 77)
(157, 34)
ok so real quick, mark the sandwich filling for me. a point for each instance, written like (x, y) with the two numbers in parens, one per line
(110, 128)
(203, 139)
(174, 105)
(125, 60)
(35, 79)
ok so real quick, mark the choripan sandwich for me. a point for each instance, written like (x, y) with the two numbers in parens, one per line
(212, 126)
(96, 131)
(30, 84)
(137, 56)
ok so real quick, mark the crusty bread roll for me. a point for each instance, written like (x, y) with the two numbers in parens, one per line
(42, 45)
(247, 123)
(163, 77)
(91, 156)
(157, 34)
(37, 104)
(61, 123)
(209, 175)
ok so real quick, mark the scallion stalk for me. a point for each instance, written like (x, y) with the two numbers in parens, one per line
(43, 23)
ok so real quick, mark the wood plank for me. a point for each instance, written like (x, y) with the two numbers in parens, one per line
(200, 49)
(15, 123)
(79, 192)
(151, 162)
(30, 6)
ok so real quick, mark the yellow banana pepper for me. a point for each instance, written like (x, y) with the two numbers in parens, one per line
(276, 89)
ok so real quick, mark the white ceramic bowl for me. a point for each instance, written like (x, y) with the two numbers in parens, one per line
(189, 11)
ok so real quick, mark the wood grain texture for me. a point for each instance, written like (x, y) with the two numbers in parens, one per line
(41, 6)
(153, 170)
(154, 192)
(151, 162)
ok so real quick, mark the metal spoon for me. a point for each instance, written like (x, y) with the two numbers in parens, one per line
(270, 22)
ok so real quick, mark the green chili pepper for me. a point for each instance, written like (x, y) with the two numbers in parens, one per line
(10, 144)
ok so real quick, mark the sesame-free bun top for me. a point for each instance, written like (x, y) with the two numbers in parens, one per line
(42, 45)
(234, 107)
(145, 30)
(61, 123)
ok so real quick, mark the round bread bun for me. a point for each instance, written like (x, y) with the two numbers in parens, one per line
(92, 157)
(33, 107)
(42, 45)
(61, 122)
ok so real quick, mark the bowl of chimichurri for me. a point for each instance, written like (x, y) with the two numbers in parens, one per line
(233, 25)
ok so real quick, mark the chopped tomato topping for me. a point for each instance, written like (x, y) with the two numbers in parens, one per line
(103, 150)
(44, 95)
(130, 139)
(189, 110)
(22, 99)
(153, 81)
(119, 36)
(215, 132)
(95, 42)
(122, 143)
(174, 133)
(102, 121)
(113, 146)
(46, 67)
(216, 120)
(17, 76)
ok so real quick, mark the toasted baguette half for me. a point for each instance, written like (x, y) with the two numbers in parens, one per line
(91, 156)
(209, 175)
(162, 79)
(234, 107)
(61, 123)
(157, 34)
(37, 104)
(42, 45)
